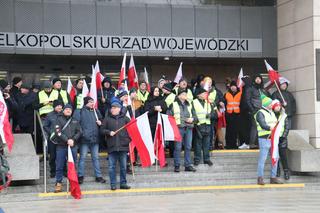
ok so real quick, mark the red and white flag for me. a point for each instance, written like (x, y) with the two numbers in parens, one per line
(275, 136)
(123, 70)
(159, 143)
(273, 74)
(132, 75)
(140, 134)
(5, 127)
(85, 90)
(71, 90)
(146, 79)
(72, 176)
(171, 131)
(179, 74)
(240, 82)
(99, 76)
(93, 88)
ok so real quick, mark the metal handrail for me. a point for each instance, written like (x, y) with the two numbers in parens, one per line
(44, 145)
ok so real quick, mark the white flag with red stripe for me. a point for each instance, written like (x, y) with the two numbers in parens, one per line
(140, 134)
(275, 136)
(93, 88)
(146, 79)
(71, 90)
(123, 70)
(179, 74)
(85, 91)
(159, 143)
(5, 127)
(132, 75)
(171, 130)
(240, 82)
(99, 76)
(73, 177)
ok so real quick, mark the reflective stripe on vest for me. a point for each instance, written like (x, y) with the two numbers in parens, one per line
(43, 97)
(177, 112)
(55, 94)
(212, 96)
(170, 99)
(142, 97)
(202, 111)
(233, 102)
(271, 120)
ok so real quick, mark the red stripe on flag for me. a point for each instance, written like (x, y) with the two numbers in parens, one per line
(177, 135)
(159, 145)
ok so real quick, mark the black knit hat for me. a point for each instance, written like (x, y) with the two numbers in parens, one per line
(3, 83)
(122, 93)
(233, 83)
(57, 103)
(168, 86)
(26, 86)
(180, 91)
(86, 100)
(67, 106)
(132, 90)
(199, 91)
(16, 80)
(55, 80)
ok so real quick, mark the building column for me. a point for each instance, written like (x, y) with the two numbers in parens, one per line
(298, 28)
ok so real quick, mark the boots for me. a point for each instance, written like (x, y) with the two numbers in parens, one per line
(286, 174)
(58, 188)
(260, 181)
(275, 181)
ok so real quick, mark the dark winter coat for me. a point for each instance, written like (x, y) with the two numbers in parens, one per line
(49, 122)
(108, 94)
(25, 110)
(120, 141)
(149, 106)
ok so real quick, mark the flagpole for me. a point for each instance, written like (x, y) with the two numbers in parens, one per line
(132, 167)
(95, 114)
(284, 102)
(157, 145)
(67, 188)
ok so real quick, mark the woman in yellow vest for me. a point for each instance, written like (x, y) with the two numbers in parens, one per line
(233, 98)
(266, 121)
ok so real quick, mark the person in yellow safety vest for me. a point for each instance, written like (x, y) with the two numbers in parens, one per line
(43, 103)
(169, 97)
(266, 121)
(184, 115)
(205, 113)
(183, 84)
(78, 101)
(142, 92)
(280, 113)
(58, 93)
(233, 98)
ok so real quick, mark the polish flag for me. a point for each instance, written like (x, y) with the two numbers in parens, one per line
(123, 70)
(275, 136)
(146, 79)
(131, 152)
(140, 134)
(71, 90)
(171, 130)
(85, 90)
(5, 127)
(93, 88)
(159, 143)
(179, 74)
(240, 82)
(273, 74)
(132, 75)
(72, 176)
(99, 76)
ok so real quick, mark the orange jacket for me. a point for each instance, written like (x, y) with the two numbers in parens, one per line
(233, 102)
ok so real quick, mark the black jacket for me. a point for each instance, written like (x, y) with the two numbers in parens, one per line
(72, 131)
(149, 106)
(25, 109)
(288, 97)
(108, 94)
(120, 141)
(50, 121)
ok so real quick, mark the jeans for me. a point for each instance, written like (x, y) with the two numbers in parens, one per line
(94, 150)
(202, 144)
(186, 134)
(265, 145)
(113, 158)
(61, 160)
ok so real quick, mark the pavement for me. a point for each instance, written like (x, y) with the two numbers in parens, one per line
(222, 201)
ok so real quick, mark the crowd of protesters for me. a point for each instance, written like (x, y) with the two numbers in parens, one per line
(248, 114)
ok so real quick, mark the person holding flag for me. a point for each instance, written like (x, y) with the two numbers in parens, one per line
(105, 95)
(117, 142)
(90, 122)
(67, 132)
(184, 115)
(266, 121)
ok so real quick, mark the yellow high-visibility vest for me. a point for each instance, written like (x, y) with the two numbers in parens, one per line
(177, 113)
(270, 119)
(202, 111)
(43, 98)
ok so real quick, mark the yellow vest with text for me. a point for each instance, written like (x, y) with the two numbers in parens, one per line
(43, 98)
(177, 113)
(271, 120)
(202, 111)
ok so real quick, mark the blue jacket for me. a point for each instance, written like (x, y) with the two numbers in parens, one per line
(90, 129)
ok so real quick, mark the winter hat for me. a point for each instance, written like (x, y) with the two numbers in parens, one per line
(57, 103)
(284, 80)
(47, 84)
(132, 90)
(180, 91)
(55, 80)
(16, 80)
(86, 100)
(233, 83)
(266, 101)
(199, 91)
(3, 83)
(67, 106)
(116, 103)
(168, 86)
(122, 93)
(106, 79)
(275, 103)
(25, 86)
(36, 85)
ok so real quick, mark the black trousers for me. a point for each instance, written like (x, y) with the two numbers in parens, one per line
(253, 131)
(232, 130)
(244, 127)
(283, 144)
(52, 156)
